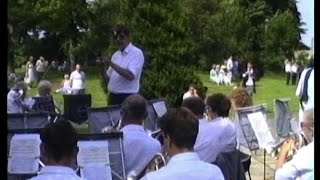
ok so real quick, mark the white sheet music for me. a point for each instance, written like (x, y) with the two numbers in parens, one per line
(160, 108)
(24, 154)
(96, 172)
(93, 152)
(261, 130)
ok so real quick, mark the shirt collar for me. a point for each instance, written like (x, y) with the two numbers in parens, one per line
(132, 127)
(127, 49)
(57, 170)
(181, 157)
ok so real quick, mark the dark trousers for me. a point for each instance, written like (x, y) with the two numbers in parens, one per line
(117, 98)
(293, 78)
(288, 78)
(39, 76)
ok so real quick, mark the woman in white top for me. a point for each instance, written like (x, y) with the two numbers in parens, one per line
(30, 76)
(77, 79)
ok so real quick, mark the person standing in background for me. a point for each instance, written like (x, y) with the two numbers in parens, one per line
(249, 79)
(77, 80)
(294, 71)
(30, 76)
(40, 68)
(288, 70)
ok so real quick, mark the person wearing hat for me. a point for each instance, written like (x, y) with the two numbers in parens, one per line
(123, 71)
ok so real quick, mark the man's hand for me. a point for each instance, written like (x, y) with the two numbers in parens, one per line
(109, 129)
(106, 60)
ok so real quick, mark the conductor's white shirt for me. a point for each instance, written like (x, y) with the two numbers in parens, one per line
(139, 148)
(186, 166)
(310, 91)
(214, 137)
(301, 166)
(57, 172)
(132, 59)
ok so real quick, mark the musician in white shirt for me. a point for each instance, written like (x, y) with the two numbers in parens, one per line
(77, 80)
(180, 129)
(139, 147)
(17, 100)
(301, 166)
(219, 135)
(59, 146)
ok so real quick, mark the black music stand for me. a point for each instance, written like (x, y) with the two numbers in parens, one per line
(27, 120)
(75, 107)
(151, 121)
(115, 148)
(45, 104)
(10, 134)
(100, 117)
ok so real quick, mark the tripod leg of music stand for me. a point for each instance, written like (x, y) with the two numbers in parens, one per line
(264, 164)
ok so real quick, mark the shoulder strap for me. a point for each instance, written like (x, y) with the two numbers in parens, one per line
(304, 96)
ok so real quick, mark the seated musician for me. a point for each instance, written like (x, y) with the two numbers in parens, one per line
(139, 147)
(17, 100)
(44, 90)
(219, 135)
(180, 130)
(301, 166)
(59, 146)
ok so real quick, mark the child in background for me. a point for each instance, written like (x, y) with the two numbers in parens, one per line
(65, 87)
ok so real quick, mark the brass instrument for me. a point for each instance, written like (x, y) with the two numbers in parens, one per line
(298, 141)
(155, 164)
(158, 161)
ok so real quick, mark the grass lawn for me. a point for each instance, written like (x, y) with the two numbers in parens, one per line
(269, 87)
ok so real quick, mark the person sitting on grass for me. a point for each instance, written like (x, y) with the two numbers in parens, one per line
(65, 87)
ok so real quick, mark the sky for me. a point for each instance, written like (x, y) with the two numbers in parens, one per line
(306, 9)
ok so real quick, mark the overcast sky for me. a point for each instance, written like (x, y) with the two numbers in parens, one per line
(306, 8)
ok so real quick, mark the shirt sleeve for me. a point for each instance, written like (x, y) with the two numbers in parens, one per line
(136, 64)
(300, 83)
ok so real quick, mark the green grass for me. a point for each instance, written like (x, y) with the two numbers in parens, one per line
(271, 86)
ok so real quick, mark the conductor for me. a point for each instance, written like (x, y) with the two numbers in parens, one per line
(122, 72)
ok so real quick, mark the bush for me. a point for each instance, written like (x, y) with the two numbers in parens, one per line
(169, 82)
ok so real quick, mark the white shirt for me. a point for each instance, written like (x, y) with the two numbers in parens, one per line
(301, 166)
(77, 79)
(288, 68)
(294, 68)
(214, 137)
(13, 107)
(310, 103)
(139, 148)
(229, 64)
(40, 66)
(132, 59)
(57, 172)
(186, 166)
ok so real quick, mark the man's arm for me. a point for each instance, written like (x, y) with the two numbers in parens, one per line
(126, 73)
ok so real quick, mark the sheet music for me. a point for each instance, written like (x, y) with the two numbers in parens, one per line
(261, 130)
(160, 108)
(96, 172)
(24, 154)
(93, 152)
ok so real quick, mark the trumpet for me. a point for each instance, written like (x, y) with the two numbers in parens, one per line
(298, 141)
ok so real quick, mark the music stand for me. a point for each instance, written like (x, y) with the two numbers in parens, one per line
(283, 117)
(45, 104)
(11, 133)
(150, 122)
(100, 117)
(27, 120)
(247, 133)
(75, 107)
(115, 149)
